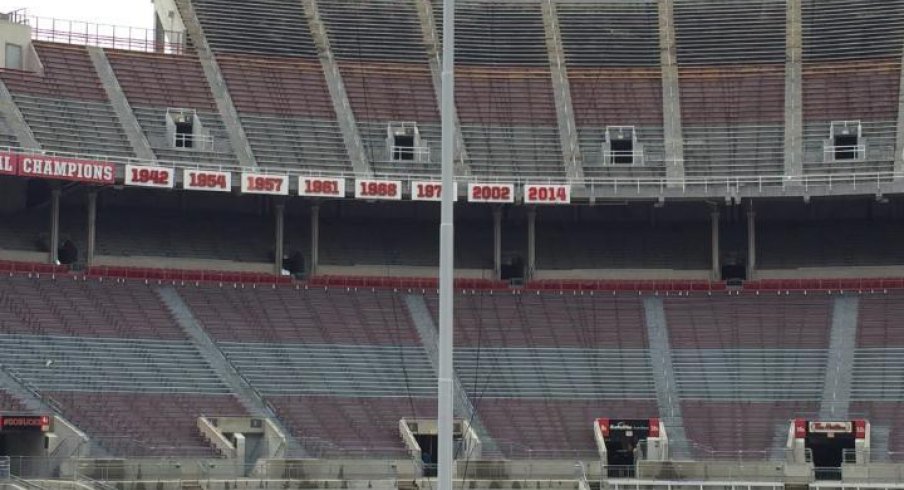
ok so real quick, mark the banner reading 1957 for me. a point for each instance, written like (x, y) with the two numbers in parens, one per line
(265, 184)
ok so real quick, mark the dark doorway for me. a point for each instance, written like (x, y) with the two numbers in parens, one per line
(827, 450)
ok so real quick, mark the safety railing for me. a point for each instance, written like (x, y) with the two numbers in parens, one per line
(420, 154)
(103, 35)
(855, 181)
(188, 141)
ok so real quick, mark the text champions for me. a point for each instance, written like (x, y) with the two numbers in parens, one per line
(66, 169)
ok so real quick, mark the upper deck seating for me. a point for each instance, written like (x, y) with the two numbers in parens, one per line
(851, 72)
(504, 89)
(276, 82)
(67, 108)
(615, 79)
(386, 74)
(732, 80)
(153, 83)
(235, 27)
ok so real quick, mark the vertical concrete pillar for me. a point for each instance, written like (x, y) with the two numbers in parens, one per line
(751, 243)
(531, 242)
(280, 238)
(54, 225)
(794, 132)
(671, 95)
(92, 227)
(497, 243)
(315, 238)
(716, 266)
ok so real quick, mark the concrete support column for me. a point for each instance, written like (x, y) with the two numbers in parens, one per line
(751, 243)
(497, 243)
(92, 227)
(716, 266)
(315, 238)
(54, 225)
(531, 242)
(671, 95)
(280, 235)
(794, 132)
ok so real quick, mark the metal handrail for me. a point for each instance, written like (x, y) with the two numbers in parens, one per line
(103, 35)
(729, 183)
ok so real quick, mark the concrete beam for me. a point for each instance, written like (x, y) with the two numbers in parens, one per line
(671, 95)
(794, 132)
(433, 45)
(130, 126)
(344, 114)
(836, 392)
(667, 395)
(16, 120)
(568, 133)
(218, 87)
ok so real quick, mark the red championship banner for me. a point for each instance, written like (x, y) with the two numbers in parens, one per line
(493, 193)
(141, 176)
(206, 180)
(47, 167)
(321, 187)
(390, 190)
(431, 191)
(9, 163)
(265, 184)
(547, 194)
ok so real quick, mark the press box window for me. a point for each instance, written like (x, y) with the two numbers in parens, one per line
(846, 142)
(403, 143)
(621, 146)
(14, 57)
(185, 130)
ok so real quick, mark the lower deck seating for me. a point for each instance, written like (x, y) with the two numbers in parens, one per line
(749, 321)
(524, 427)
(746, 430)
(329, 425)
(312, 316)
(886, 433)
(10, 404)
(132, 424)
(67, 306)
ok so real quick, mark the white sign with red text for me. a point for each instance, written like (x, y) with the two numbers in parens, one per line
(388, 190)
(430, 191)
(547, 194)
(321, 187)
(78, 170)
(9, 163)
(265, 184)
(206, 180)
(492, 193)
(142, 176)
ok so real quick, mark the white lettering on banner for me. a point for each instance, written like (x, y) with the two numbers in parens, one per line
(149, 176)
(321, 187)
(430, 191)
(501, 193)
(206, 180)
(68, 169)
(9, 163)
(830, 427)
(547, 194)
(390, 190)
(265, 184)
